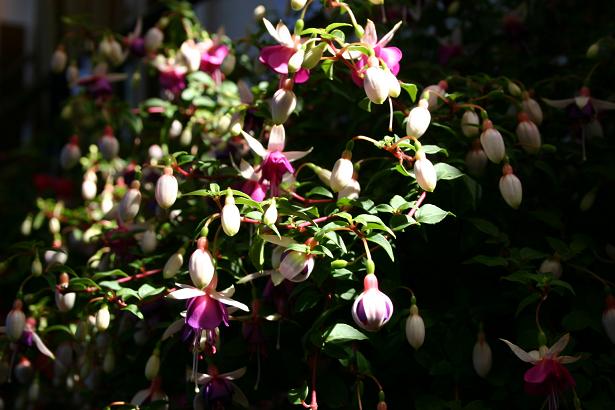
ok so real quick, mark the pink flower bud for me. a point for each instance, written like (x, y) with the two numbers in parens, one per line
(553, 266)
(476, 160)
(481, 356)
(376, 84)
(510, 187)
(470, 124)
(153, 39)
(528, 134)
(532, 108)
(608, 318)
(175, 129)
(108, 145)
(15, 321)
(415, 328)
(424, 172)
(201, 265)
(166, 189)
(296, 266)
(152, 366)
(372, 309)
(418, 120)
(342, 172)
(283, 104)
(230, 218)
(64, 301)
(58, 60)
(130, 203)
(88, 186)
(173, 264)
(70, 154)
(271, 213)
(492, 142)
(155, 152)
(103, 318)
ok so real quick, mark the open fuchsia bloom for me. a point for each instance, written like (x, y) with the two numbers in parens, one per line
(391, 56)
(212, 56)
(277, 57)
(252, 186)
(219, 390)
(547, 377)
(372, 309)
(276, 163)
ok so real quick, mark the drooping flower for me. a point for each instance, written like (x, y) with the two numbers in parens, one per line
(283, 103)
(528, 133)
(391, 56)
(418, 119)
(253, 185)
(547, 377)
(171, 75)
(372, 309)
(492, 142)
(276, 163)
(19, 329)
(219, 390)
(341, 174)
(153, 393)
(470, 124)
(213, 54)
(415, 328)
(424, 171)
(166, 189)
(278, 57)
(476, 159)
(98, 84)
(70, 154)
(510, 187)
(481, 356)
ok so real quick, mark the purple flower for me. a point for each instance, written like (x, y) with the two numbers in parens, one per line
(219, 390)
(277, 57)
(212, 56)
(276, 163)
(391, 56)
(173, 79)
(205, 312)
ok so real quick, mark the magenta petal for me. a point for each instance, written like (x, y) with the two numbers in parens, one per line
(539, 372)
(205, 313)
(276, 58)
(391, 57)
(216, 55)
(302, 76)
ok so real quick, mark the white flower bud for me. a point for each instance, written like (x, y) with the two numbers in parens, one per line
(15, 321)
(152, 366)
(418, 120)
(108, 145)
(271, 213)
(259, 13)
(476, 161)
(109, 361)
(415, 328)
(283, 104)
(323, 174)
(130, 203)
(375, 83)
(58, 60)
(342, 172)
(166, 189)
(470, 124)
(481, 356)
(230, 218)
(88, 186)
(528, 134)
(296, 60)
(55, 256)
(173, 264)
(103, 318)
(190, 54)
(514, 89)
(201, 265)
(492, 142)
(106, 203)
(532, 108)
(148, 241)
(297, 4)
(425, 172)
(36, 267)
(553, 266)
(510, 187)
(153, 39)
(175, 129)
(608, 318)
(155, 152)
(64, 301)
(54, 225)
(70, 154)
(350, 191)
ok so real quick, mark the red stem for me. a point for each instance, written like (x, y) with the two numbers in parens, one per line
(309, 201)
(139, 275)
(418, 204)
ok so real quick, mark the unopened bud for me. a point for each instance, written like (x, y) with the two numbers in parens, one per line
(553, 266)
(283, 104)
(492, 143)
(295, 61)
(70, 154)
(54, 225)
(64, 301)
(510, 187)
(58, 60)
(514, 89)
(313, 55)
(425, 172)
(338, 264)
(37, 267)
(108, 145)
(259, 13)
(593, 51)
(297, 4)
(175, 129)
(103, 318)
(152, 366)
(15, 321)
(130, 203)
(342, 172)
(271, 213)
(153, 39)
(470, 124)
(418, 120)
(532, 108)
(88, 186)
(415, 328)
(528, 134)
(476, 160)
(376, 84)
(173, 265)
(201, 265)
(230, 218)
(481, 356)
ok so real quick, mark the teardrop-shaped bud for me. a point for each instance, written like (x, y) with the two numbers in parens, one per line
(259, 13)
(271, 213)
(553, 266)
(425, 172)
(153, 39)
(297, 4)
(36, 267)
(296, 266)
(470, 124)
(230, 216)
(313, 55)
(528, 134)
(166, 189)
(350, 191)
(342, 172)
(106, 202)
(375, 83)
(103, 318)
(201, 265)
(323, 174)
(54, 225)
(418, 120)
(70, 154)
(175, 129)
(55, 256)
(130, 203)
(148, 241)
(283, 104)
(492, 142)
(532, 108)
(372, 309)
(608, 318)
(15, 321)
(88, 186)
(173, 264)
(155, 153)
(152, 366)
(514, 89)
(510, 187)
(481, 356)
(64, 300)
(476, 160)
(59, 60)
(394, 85)
(108, 145)
(296, 60)
(415, 328)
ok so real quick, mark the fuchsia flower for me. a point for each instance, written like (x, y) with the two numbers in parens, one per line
(98, 85)
(252, 186)
(391, 56)
(277, 57)
(212, 55)
(276, 163)
(372, 309)
(219, 390)
(548, 376)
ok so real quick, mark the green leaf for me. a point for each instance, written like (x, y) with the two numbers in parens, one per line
(430, 214)
(372, 222)
(333, 26)
(562, 284)
(383, 242)
(485, 226)
(111, 284)
(127, 293)
(147, 290)
(434, 149)
(199, 192)
(399, 203)
(298, 394)
(366, 104)
(114, 272)
(488, 260)
(134, 309)
(341, 332)
(411, 89)
(319, 190)
(445, 171)
(528, 300)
